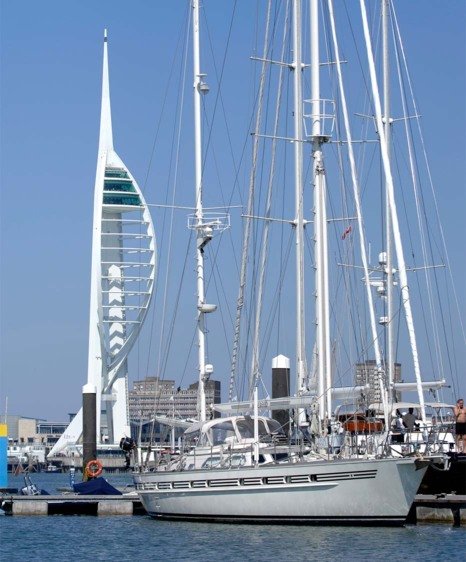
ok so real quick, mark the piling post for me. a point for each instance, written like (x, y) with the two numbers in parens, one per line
(3, 455)
(89, 426)
(281, 388)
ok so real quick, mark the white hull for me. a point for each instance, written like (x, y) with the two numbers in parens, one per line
(371, 492)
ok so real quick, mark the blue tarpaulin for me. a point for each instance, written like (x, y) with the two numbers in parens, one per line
(96, 487)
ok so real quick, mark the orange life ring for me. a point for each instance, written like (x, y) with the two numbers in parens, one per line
(94, 468)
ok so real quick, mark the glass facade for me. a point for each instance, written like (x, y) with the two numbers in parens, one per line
(119, 189)
(126, 186)
(132, 200)
(115, 173)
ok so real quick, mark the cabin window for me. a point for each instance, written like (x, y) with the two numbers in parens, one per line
(237, 460)
(219, 434)
(246, 428)
(211, 462)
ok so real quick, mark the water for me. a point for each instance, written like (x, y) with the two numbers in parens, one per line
(141, 538)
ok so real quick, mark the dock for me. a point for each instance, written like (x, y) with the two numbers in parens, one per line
(442, 508)
(439, 508)
(72, 504)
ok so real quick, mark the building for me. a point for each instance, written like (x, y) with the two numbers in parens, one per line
(366, 373)
(153, 395)
(29, 431)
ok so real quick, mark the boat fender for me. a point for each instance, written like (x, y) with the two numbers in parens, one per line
(94, 469)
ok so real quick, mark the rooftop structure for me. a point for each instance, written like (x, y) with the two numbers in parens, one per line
(367, 373)
(153, 395)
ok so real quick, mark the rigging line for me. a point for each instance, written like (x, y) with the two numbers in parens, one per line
(219, 99)
(162, 377)
(429, 292)
(176, 151)
(431, 182)
(409, 137)
(454, 375)
(393, 213)
(220, 96)
(367, 104)
(250, 209)
(176, 306)
(276, 299)
(419, 199)
(217, 279)
(421, 301)
(162, 111)
(361, 66)
(356, 197)
(180, 93)
(266, 226)
(345, 274)
(162, 368)
(355, 320)
(216, 254)
(284, 182)
(348, 276)
(257, 227)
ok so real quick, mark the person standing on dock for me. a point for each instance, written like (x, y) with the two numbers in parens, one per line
(460, 426)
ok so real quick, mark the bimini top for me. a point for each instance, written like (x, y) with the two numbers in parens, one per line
(234, 429)
(406, 405)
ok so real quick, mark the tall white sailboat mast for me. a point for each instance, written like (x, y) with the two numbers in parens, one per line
(404, 287)
(324, 375)
(388, 259)
(301, 369)
(203, 229)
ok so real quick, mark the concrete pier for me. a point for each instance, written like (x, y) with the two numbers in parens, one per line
(70, 504)
(441, 508)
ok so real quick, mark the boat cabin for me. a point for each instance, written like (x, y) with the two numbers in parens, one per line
(234, 430)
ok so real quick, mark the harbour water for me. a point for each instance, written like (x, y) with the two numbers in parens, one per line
(141, 538)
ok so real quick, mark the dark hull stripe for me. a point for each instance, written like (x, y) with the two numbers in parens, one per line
(384, 521)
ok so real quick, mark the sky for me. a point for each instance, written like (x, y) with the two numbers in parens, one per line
(50, 72)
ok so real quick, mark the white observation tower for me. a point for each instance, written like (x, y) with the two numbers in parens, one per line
(122, 282)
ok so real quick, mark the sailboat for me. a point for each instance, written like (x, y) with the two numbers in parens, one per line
(240, 468)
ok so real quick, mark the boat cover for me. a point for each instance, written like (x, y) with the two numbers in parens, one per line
(96, 487)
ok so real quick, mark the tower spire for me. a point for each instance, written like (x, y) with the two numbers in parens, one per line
(106, 134)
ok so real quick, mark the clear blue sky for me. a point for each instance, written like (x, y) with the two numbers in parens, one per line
(51, 55)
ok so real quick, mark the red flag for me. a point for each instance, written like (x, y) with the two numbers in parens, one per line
(347, 231)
